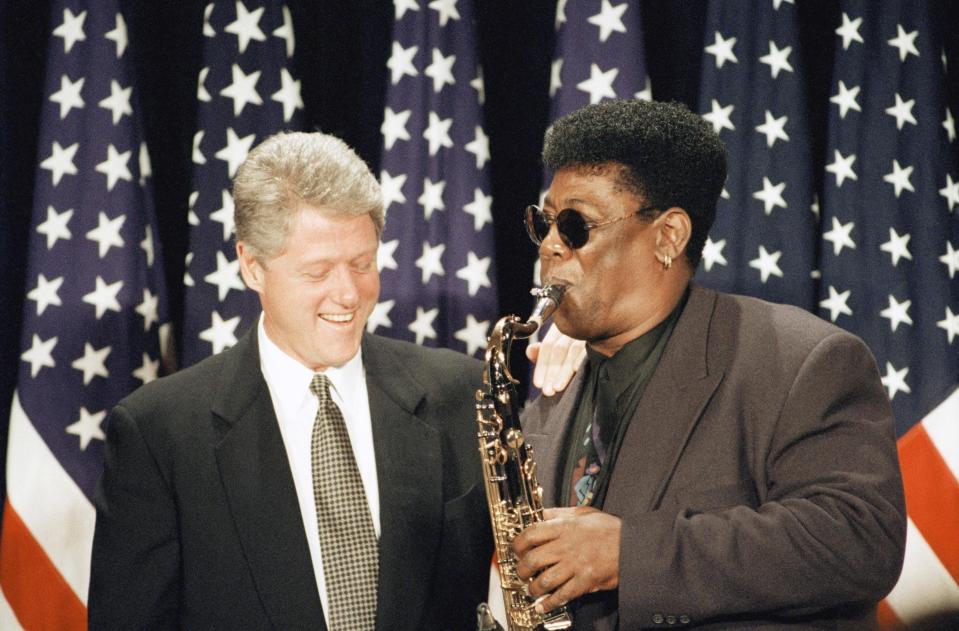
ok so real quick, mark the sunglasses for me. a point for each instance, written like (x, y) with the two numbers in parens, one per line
(572, 226)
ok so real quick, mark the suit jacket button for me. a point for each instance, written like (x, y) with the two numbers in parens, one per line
(657, 618)
(670, 619)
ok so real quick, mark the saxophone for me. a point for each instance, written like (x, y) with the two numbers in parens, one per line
(513, 493)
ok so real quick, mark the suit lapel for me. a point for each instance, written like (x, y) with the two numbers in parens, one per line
(668, 412)
(410, 473)
(255, 473)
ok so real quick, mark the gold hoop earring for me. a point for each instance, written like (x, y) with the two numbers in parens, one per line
(667, 261)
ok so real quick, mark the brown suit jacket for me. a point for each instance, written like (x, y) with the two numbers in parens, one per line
(758, 481)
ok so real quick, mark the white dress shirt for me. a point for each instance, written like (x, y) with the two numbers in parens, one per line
(295, 407)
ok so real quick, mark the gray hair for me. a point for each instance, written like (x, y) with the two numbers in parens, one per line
(292, 169)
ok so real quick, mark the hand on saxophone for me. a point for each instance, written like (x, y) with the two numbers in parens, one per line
(575, 551)
(557, 359)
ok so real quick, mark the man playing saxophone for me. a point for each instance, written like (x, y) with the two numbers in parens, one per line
(719, 461)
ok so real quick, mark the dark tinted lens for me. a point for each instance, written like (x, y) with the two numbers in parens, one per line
(572, 228)
(536, 225)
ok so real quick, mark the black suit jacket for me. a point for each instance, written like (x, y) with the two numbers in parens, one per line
(198, 524)
(757, 481)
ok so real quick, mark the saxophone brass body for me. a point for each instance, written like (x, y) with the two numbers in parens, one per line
(513, 493)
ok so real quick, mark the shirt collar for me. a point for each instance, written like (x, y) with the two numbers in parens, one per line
(291, 379)
(622, 368)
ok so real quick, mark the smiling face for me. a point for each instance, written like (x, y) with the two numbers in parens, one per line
(319, 291)
(618, 289)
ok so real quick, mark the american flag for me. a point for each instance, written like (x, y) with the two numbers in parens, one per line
(753, 93)
(246, 91)
(94, 315)
(436, 257)
(890, 263)
(598, 56)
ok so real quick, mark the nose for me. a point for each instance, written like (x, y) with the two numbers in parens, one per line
(343, 289)
(552, 245)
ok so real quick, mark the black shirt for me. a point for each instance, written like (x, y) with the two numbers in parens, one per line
(611, 392)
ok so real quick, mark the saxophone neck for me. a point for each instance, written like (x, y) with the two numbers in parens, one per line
(547, 300)
(511, 327)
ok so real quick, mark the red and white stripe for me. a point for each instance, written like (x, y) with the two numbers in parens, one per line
(47, 536)
(929, 583)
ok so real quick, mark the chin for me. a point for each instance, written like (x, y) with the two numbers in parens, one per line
(570, 329)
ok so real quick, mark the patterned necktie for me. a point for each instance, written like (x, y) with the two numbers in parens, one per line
(595, 444)
(347, 539)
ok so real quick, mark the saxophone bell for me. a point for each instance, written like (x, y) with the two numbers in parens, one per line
(485, 620)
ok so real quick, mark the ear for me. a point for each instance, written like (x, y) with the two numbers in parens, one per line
(250, 268)
(672, 236)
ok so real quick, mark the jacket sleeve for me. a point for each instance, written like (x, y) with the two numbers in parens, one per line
(826, 532)
(135, 569)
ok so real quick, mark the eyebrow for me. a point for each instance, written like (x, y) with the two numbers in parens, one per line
(333, 260)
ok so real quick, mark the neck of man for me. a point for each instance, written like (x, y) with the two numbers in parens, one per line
(669, 293)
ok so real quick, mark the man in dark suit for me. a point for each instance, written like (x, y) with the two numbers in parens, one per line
(208, 511)
(719, 461)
